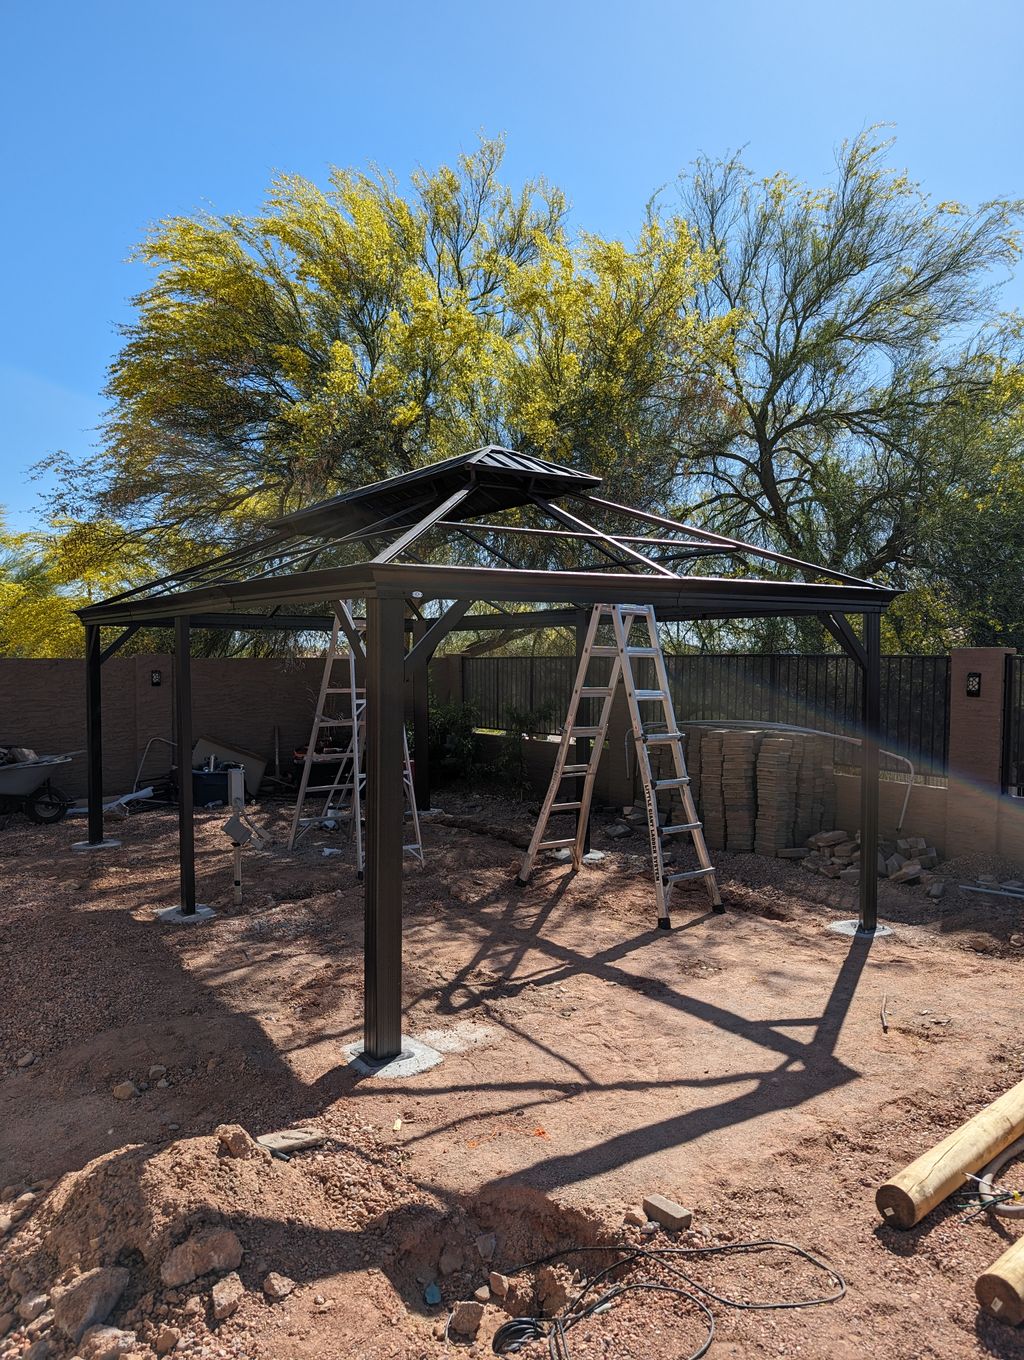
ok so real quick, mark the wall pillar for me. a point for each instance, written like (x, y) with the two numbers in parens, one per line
(977, 679)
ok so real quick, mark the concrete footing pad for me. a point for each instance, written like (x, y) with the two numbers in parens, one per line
(174, 916)
(413, 1059)
(853, 928)
(111, 844)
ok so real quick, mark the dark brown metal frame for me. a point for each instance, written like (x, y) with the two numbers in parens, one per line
(221, 593)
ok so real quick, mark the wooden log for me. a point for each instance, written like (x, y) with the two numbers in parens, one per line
(904, 1200)
(1000, 1290)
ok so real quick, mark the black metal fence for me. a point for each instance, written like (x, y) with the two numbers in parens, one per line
(1013, 728)
(822, 692)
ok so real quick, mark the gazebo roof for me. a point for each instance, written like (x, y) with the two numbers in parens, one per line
(613, 552)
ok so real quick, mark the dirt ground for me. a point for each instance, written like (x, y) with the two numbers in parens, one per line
(737, 1064)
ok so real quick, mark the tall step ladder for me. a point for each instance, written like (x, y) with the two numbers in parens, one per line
(657, 729)
(341, 710)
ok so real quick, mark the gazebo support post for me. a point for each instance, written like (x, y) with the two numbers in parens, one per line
(420, 684)
(94, 731)
(382, 1008)
(583, 744)
(870, 723)
(183, 717)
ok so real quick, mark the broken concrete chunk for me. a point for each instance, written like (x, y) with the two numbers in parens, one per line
(667, 1212)
(291, 1140)
(214, 1249)
(485, 1245)
(88, 1301)
(907, 874)
(498, 1283)
(823, 838)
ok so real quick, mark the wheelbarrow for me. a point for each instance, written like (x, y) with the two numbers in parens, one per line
(25, 787)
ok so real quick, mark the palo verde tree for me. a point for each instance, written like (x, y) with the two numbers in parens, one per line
(349, 334)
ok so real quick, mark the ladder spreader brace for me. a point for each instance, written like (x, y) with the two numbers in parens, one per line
(675, 789)
(343, 797)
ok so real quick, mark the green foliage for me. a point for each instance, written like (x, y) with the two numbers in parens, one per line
(518, 724)
(454, 744)
(821, 370)
(866, 315)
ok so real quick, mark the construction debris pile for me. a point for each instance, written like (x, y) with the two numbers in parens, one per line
(836, 854)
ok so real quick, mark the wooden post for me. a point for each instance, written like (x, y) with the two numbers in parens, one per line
(926, 1182)
(385, 808)
(1000, 1291)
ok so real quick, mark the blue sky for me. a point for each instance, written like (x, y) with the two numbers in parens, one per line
(115, 114)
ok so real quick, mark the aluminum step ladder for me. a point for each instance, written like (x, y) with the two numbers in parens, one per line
(659, 730)
(341, 708)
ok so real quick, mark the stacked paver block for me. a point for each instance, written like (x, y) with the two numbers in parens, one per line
(739, 787)
(711, 800)
(777, 764)
(815, 788)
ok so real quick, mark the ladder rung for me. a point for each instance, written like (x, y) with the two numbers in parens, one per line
(557, 845)
(565, 807)
(676, 783)
(344, 689)
(334, 722)
(643, 651)
(650, 694)
(604, 651)
(328, 788)
(689, 873)
(595, 692)
(573, 771)
(585, 732)
(659, 738)
(679, 828)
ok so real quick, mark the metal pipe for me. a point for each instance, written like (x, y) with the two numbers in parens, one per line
(385, 818)
(871, 715)
(183, 713)
(94, 731)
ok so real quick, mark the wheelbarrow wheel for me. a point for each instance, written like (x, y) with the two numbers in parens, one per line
(47, 805)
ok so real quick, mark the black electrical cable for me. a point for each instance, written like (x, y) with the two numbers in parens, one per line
(511, 1336)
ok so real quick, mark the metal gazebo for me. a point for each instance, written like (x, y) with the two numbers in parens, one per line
(493, 527)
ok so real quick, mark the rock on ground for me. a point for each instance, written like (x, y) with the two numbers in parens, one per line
(167, 1339)
(88, 1300)
(107, 1343)
(215, 1249)
(553, 1286)
(466, 1318)
(277, 1286)
(238, 1143)
(227, 1294)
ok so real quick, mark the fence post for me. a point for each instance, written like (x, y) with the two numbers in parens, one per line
(976, 713)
